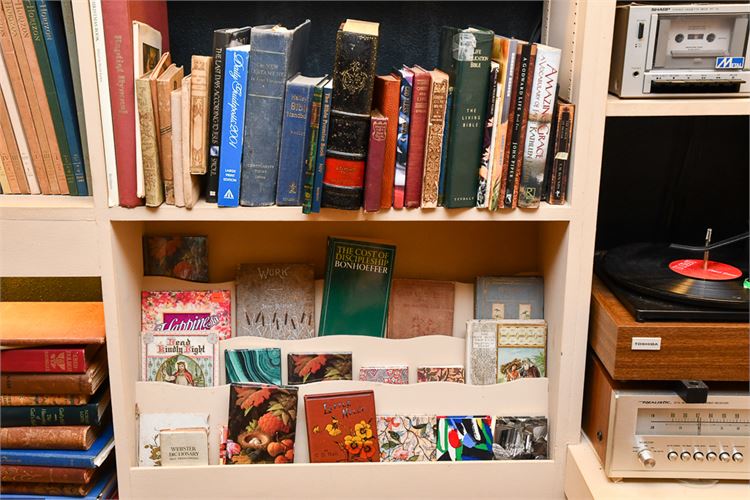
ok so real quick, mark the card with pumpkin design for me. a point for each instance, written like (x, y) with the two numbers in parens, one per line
(262, 423)
(407, 438)
(464, 438)
(305, 368)
(341, 427)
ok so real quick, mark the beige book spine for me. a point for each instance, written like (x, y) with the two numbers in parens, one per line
(177, 140)
(8, 183)
(12, 168)
(190, 185)
(149, 149)
(44, 118)
(201, 68)
(8, 38)
(164, 88)
(434, 139)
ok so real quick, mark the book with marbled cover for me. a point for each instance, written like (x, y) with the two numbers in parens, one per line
(385, 374)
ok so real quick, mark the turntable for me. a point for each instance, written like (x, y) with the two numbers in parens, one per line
(658, 313)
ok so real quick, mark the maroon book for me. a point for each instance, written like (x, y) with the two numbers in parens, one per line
(417, 131)
(341, 427)
(72, 359)
(375, 161)
(118, 17)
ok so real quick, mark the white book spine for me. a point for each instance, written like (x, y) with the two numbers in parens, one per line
(105, 105)
(177, 139)
(15, 121)
(190, 184)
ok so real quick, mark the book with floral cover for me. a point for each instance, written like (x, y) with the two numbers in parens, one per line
(407, 438)
(464, 438)
(341, 427)
(441, 374)
(305, 368)
(262, 423)
(385, 374)
(180, 333)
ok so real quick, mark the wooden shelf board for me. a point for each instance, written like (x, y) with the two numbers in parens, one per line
(697, 106)
(46, 207)
(210, 212)
(585, 478)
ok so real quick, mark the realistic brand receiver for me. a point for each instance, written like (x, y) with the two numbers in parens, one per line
(680, 50)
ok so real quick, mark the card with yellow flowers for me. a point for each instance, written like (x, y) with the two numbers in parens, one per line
(341, 427)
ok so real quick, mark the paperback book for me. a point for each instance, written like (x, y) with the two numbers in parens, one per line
(385, 374)
(441, 374)
(150, 427)
(407, 438)
(305, 368)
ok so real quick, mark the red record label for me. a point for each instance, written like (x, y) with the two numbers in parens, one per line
(714, 271)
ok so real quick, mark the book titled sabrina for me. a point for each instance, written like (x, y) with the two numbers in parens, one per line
(180, 335)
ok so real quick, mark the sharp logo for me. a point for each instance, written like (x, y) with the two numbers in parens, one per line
(730, 62)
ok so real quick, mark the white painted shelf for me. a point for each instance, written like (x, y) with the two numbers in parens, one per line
(695, 106)
(46, 207)
(585, 479)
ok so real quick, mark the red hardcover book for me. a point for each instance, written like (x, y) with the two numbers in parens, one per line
(386, 99)
(420, 102)
(341, 427)
(375, 161)
(47, 360)
(118, 17)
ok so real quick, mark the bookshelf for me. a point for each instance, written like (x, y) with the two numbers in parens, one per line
(678, 107)
(78, 238)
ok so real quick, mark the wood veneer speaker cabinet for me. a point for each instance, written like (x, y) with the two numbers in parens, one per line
(700, 351)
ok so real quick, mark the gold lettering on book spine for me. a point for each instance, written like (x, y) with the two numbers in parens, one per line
(434, 150)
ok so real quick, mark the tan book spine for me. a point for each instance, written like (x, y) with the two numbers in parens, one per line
(37, 474)
(434, 139)
(8, 38)
(149, 148)
(45, 122)
(62, 437)
(190, 184)
(201, 70)
(165, 84)
(43, 399)
(164, 62)
(5, 180)
(177, 140)
(55, 489)
(16, 172)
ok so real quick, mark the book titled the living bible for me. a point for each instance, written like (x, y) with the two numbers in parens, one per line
(375, 161)
(509, 297)
(465, 56)
(341, 427)
(538, 129)
(223, 38)
(180, 335)
(276, 54)
(276, 301)
(386, 99)
(262, 424)
(357, 287)
(421, 307)
(353, 80)
(233, 124)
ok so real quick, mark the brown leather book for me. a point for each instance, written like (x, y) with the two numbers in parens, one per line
(201, 72)
(44, 399)
(45, 117)
(168, 81)
(37, 474)
(49, 323)
(56, 489)
(434, 138)
(149, 142)
(420, 307)
(59, 383)
(62, 437)
(28, 106)
(386, 99)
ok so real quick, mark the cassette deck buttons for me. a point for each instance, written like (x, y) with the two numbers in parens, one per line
(679, 37)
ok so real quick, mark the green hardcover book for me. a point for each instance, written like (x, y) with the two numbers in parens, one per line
(49, 88)
(312, 152)
(465, 56)
(357, 288)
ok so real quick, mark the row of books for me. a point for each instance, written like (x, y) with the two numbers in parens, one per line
(255, 132)
(56, 434)
(341, 427)
(42, 129)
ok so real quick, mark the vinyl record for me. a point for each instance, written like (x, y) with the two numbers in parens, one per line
(678, 275)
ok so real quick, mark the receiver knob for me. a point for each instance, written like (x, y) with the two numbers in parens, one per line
(711, 456)
(698, 456)
(672, 456)
(685, 456)
(647, 459)
(737, 457)
(724, 456)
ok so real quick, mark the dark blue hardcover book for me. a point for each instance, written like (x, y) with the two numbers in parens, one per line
(275, 56)
(402, 137)
(104, 488)
(88, 414)
(232, 125)
(509, 297)
(320, 167)
(444, 155)
(295, 139)
(83, 459)
(51, 17)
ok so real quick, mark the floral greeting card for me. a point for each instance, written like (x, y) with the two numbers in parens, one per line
(405, 438)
